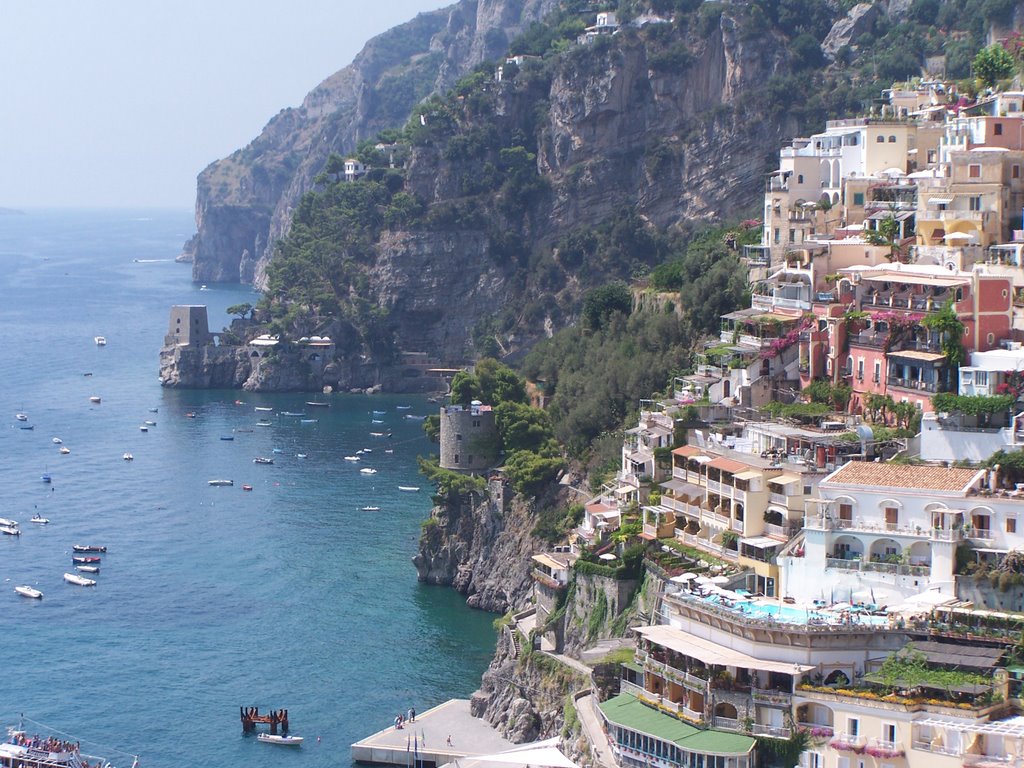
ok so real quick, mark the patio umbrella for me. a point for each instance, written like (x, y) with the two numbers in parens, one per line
(719, 579)
(702, 580)
(683, 578)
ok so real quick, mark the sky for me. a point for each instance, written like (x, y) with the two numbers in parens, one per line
(121, 103)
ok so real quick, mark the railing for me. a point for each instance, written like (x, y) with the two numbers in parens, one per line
(779, 498)
(771, 730)
(915, 384)
(546, 579)
(776, 698)
(771, 529)
(946, 534)
(989, 759)
(710, 516)
(680, 506)
(936, 749)
(716, 487)
(821, 730)
(978, 533)
(736, 525)
(842, 565)
(727, 724)
(671, 673)
(868, 566)
(660, 701)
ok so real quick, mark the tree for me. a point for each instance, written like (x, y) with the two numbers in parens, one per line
(600, 303)
(992, 64)
(498, 383)
(465, 388)
(950, 330)
(240, 309)
(887, 235)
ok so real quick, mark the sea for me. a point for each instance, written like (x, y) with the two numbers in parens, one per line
(290, 595)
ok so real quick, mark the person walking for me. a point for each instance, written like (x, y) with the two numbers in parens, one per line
(412, 715)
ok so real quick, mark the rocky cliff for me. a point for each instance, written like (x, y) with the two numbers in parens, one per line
(244, 202)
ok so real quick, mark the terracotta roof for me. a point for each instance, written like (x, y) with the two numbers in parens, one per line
(728, 465)
(687, 450)
(924, 478)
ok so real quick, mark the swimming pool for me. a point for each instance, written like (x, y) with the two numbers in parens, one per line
(788, 614)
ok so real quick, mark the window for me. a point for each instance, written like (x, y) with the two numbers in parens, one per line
(858, 198)
(776, 235)
(892, 139)
(846, 511)
(458, 437)
(799, 178)
(974, 171)
(860, 369)
(880, 139)
(889, 732)
(792, 235)
(892, 517)
(931, 155)
(471, 458)
(853, 726)
(476, 422)
(998, 130)
(975, 202)
(991, 338)
(1011, 525)
(456, 458)
(877, 377)
(1015, 171)
(981, 378)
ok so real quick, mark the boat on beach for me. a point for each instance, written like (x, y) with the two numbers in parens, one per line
(284, 741)
(81, 581)
(26, 591)
(87, 548)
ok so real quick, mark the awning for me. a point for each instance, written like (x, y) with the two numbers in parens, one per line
(913, 354)
(713, 653)
(940, 200)
(686, 450)
(747, 475)
(784, 479)
(1013, 727)
(760, 542)
(681, 488)
(639, 457)
(883, 215)
(624, 490)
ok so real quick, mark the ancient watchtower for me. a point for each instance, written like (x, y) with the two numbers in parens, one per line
(469, 437)
(189, 326)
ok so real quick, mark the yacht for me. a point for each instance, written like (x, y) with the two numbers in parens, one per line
(27, 591)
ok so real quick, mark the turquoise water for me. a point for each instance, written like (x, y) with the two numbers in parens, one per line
(790, 615)
(209, 598)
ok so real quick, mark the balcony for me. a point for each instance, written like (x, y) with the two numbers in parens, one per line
(982, 761)
(914, 384)
(980, 534)
(782, 531)
(848, 742)
(714, 518)
(935, 749)
(680, 507)
(757, 255)
(694, 683)
(771, 730)
(736, 526)
(842, 565)
(772, 697)
(779, 498)
(867, 566)
(817, 730)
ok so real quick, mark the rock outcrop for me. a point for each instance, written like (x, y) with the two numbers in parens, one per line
(204, 367)
(859, 21)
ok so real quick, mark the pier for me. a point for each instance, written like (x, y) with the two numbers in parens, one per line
(251, 717)
(424, 743)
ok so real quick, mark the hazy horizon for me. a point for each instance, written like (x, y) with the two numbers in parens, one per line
(111, 105)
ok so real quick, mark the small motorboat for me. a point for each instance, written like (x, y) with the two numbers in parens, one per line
(46, 479)
(314, 404)
(366, 450)
(95, 399)
(40, 520)
(264, 423)
(264, 408)
(87, 548)
(371, 509)
(301, 456)
(228, 437)
(57, 441)
(284, 741)
(413, 417)
(143, 428)
(239, 402)
(8, 522)
(10, 530)
(351, 458)
(21, 416)
(402, 407)
(293, 413)
(190, 415)
(308, 421)
(376, 421)
(278, 450)
(100, 341)
(27, 426)
(90, 560)
(26, 591)
(154, 410)
(64, 450)
(368, 471)
(74, 578)
(150, 423)
(246, 487)
(389, 450)
(262, 460)
(128, 457)
(409, 488)
(220, 482)
(376, 434)
(88, 568)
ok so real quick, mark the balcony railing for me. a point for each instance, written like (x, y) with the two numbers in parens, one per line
(983, 534)
(736, 525)
(821, 730)
(779, 498)
(728, 724)
(982, 760)
(771, 529)
(771, 730)
(843, 565)
(692, 682)
(772, 697)
(915, 384)
(868, 566)
(714, 517)
(937, 749)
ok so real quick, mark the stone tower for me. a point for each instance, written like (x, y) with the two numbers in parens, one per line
(189, 326)
(469, 437)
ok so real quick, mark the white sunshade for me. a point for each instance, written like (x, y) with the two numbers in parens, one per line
(719, 579)
(958, 236)
(940, 200)
(683, 578)
(607, 556)
(703, 580)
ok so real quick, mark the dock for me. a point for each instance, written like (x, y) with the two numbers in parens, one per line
(424, 743)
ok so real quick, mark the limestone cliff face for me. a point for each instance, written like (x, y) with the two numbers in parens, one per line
(482, 549)
(206, 367)
(244, 202)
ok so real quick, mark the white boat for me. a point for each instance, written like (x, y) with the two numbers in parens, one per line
(220, 482)
(143, 428)
(284, 741)
(264, 423)
(316, 404)
(368, 471)
(203, 288)
(409, 488)
(414, 418)
(308, 421)
(39, 520)
(57, 441)
(64, 450)
(6, 521)
(264, 408)
(376, 421)
(371, 509)
(128, 457)
(150, 423)
(94, 399)
(402, 407)
(17, 750)
(10, 530)
(100, 341)
(88, 568)
(351, 458)
(301, 456)
(21, 416)
(74, 578)
(262, 460)
(26, 591)
(154, 410)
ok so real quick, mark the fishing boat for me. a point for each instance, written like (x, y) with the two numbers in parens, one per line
(64, 450)
(351, 458)
(409, 488)
(39, 519)
(26, 591)
(21, 416)
(88, 568)
(100, 341)
(262, 460)
(128, 457)
(371, 509)
(95, 399)
(74, 578)
(284, 741)
(10, 530)
(314, 404)
(87, 548)
(220, 482)
(368, 471)
(85, 560)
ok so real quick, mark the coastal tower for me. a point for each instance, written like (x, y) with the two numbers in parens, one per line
(469, 437)
(189, 326)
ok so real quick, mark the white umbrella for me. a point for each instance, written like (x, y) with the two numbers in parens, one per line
(703, 580)
(719, 579)
(683, 578)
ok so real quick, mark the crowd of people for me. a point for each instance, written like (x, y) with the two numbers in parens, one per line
(47, 745)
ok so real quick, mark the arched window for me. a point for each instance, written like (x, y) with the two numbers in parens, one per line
(880, 139)
(892, 139)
